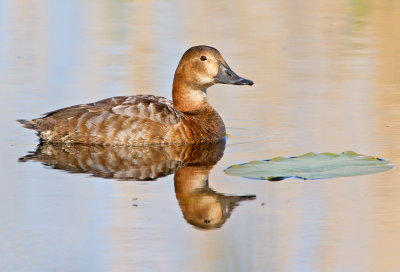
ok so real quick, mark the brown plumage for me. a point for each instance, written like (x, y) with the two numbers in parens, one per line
(148, 119)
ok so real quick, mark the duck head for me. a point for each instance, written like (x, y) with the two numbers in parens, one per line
(199, 68)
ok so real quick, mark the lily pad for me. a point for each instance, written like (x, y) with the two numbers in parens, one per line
(311, 166)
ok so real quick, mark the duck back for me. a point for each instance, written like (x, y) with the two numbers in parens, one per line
(127, 120)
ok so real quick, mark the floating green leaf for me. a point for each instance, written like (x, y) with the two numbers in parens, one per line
(311, 166)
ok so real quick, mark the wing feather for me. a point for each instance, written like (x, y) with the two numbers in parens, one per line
(155, 108)
(116, 119)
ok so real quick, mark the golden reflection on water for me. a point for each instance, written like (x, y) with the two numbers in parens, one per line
(201, 206)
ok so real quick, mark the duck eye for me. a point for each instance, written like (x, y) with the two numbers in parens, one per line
(203, 58)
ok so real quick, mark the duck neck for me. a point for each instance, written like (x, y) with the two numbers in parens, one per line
(188, 98)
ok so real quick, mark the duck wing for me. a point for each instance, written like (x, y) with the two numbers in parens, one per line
(147, 116)
(155, 108)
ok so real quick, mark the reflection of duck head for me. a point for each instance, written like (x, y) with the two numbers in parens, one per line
(201, 206)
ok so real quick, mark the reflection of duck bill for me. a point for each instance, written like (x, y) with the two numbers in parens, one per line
(123, 162)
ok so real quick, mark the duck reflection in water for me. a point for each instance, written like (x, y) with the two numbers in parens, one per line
(201, 206)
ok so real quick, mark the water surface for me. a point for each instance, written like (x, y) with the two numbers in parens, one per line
(327, 79)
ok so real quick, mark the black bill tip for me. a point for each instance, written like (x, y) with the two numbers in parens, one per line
(243, 81)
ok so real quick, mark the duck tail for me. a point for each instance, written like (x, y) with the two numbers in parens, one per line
(30, 124)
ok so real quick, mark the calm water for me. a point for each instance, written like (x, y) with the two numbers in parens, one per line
(327, 79)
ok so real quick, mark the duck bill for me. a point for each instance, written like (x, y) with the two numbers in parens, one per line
(227, 76)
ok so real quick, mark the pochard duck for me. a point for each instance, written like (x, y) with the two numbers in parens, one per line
(148, 119)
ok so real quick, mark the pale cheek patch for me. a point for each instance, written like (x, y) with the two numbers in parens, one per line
(205, 77)
(212, 70)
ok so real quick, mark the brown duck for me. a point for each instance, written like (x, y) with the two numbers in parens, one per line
(148, 119)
